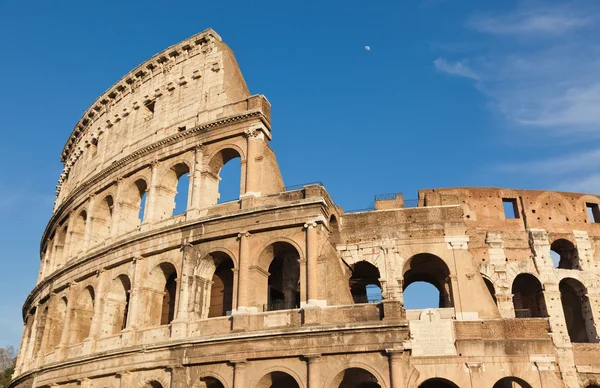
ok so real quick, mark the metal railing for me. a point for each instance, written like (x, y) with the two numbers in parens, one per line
(301, 186)
(386, 197)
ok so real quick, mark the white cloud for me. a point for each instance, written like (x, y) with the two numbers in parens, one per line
(589, 184)
(540, 21)
(458, 69)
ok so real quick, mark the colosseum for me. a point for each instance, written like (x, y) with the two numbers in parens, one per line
(281, 287)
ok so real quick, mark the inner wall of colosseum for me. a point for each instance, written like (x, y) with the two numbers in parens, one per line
(281, 287)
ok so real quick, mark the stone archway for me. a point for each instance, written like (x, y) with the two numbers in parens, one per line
(438, 383)
(277, 379)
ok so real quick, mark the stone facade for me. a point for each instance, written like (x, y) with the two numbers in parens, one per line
(270, 290)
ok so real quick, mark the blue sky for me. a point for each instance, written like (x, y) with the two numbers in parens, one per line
(452, 93)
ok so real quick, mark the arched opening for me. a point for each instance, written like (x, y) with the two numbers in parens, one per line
(428, 268)
(356, 378)
(182, 190)
(364, 283)
(163, 291)
(77, 233)
(528, 297)
(224, 181)
(133, 206)
(593, 386)
(491, 289)
(283, 284)
(511, 382)
(438, 383)
(210, 382)
(221, 293)
(103, 219)
(57, 324)
(564, 254)
(577, 311)
(42, 324)
(82, 315)
(153, 384)
(277, 380)
(116, 309)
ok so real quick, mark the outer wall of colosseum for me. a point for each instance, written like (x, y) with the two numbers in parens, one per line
(272, 289)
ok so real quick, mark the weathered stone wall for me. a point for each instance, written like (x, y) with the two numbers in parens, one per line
(270, 290)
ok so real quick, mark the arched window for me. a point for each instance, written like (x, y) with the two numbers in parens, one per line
(77, 233)
(163, 291)
(223, 182)
(355, 378)
(116, 309)
(284, 279)
(578, 311)
(133, 205)
(103, 220)
(57, 324)
(210, 382)
(490, 286)
(364, 283)
(221, 294)
(334, 228)
(511, 382)
(564, 254)
(438, 383)
(528, 297)
(277, 380)
(82, 315)
(427, 268)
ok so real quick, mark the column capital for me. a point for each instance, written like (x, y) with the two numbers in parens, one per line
(312, 357)
(395, 352)
(239, 362)
(243, 234)
(310, 224)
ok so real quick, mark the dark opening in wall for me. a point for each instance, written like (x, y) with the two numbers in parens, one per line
(150, 105)
(593, 212)
(510, 208)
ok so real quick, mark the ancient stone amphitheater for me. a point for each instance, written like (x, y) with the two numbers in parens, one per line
(281, 287)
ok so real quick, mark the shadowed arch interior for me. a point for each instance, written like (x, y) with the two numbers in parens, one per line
(528, 297)
(511, 382)
(103, 219)
(116, 307)
(577, 311)
(283, 283)
(438, 383)
(221, 293)
(356, 378)
(431, 269)
(83, 314)
(492, 290)
(566, 253)
(162, 289)
(277, 380)
(210, 382)
(364, 283)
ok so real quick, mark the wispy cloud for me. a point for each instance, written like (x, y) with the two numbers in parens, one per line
(580, 162)
(458, 69)
(540, 21)
(588, 184)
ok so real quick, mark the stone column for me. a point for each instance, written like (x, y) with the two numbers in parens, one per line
(312, 265)
(134, 318)
(396, 376)
(196, 181)
(115, 224)
(179, 324)
(87, 232)
(151, 200)
(239, 373)
(66, 325)
(255, 138)
(244, 273)
(313, 362)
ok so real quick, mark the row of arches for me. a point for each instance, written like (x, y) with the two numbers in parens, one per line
(145, 196)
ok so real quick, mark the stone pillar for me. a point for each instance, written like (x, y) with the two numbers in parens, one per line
(538, 240)
(151, 200)
(66, 325)
(196, 182)
(396, 376)
(87, 233)
(239, 373)
(134, 318)
(313, 362)
(244, 274)
(312, 265)
(115, 225)
(255, 138)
